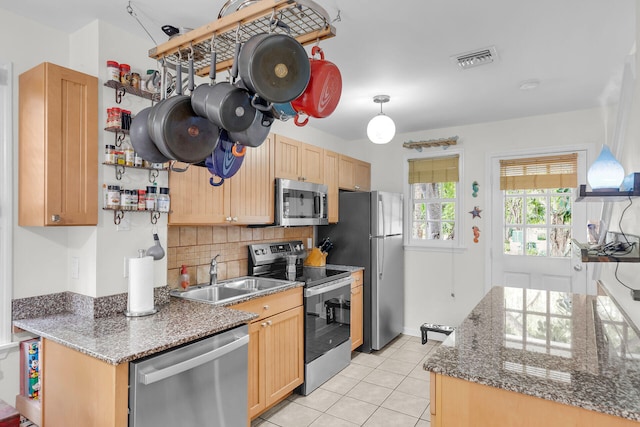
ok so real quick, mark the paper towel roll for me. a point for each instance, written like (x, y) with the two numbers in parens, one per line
(140, 285)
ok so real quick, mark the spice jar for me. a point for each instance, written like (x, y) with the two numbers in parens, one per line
(128, 156)
(135, 80)
(109, 156)
(150, 201)
(142, 202)
(137, 160)
(113, 196)
(113, 71)
(115, 120)
(163, 201)
(125, 74)
(119, 157)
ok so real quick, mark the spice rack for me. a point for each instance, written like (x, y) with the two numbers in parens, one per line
(120, 170)
(118, 214)
(305, 20)
(122, 89)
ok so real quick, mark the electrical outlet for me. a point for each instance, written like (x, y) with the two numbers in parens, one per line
(125, 224)
(309, 242)
(75, 267)
(635, 294)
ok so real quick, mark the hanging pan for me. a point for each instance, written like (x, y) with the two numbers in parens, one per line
(178, 132)
(225, 160)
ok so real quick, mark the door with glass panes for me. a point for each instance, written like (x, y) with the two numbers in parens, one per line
(534, 219)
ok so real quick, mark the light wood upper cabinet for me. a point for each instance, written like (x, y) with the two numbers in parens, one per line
(245, 198)
(355, 175)
(58, 147)
(298, 161)
(331, 175)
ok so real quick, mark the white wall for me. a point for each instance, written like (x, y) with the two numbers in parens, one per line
(431, 277)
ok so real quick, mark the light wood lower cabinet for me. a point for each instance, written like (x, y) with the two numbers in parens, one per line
(276, 348)
(456, 402)
(356, 310)
(80, 390)
(245, 198)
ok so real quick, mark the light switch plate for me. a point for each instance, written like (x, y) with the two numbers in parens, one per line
(309, 243)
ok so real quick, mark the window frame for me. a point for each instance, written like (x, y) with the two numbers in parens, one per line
(458, 243)
(6, 205)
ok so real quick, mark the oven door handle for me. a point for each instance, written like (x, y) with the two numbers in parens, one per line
(317, 290)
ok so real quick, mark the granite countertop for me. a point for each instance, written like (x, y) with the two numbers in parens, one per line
(349, 268)
(119, 339)
(569, 348)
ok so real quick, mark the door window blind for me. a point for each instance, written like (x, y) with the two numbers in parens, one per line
(558, 171)
(436, 169)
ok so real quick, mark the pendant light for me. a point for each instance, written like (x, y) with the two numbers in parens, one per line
(381, 128)
(606, 173)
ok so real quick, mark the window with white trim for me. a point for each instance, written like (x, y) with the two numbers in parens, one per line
(433, 201)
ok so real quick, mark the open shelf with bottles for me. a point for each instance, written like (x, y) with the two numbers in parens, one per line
(618, 247)
(122, 89)
(120, 169)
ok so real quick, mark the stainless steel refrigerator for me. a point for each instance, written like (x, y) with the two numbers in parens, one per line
(369, 235)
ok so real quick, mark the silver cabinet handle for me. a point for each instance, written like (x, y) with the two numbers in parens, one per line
(320, 289)
(577, 267)
(228, 219)
(55, 218)
(234, 219)
(175, 369)
(263, 324)
(269, 322)
(266, 307)
(356, 187)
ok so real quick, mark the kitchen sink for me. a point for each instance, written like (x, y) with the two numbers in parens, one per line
(230, 290)
(253, 283)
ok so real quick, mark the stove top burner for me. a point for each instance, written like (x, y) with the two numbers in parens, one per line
(269, 260)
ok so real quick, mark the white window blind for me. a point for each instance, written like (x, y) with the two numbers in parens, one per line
(435, 169)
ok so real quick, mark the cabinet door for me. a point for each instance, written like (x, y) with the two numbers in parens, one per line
(256, 369)
(196, 202)
(312, 164)
(252, 188)
(362, 176)
(284, 353)
(331, 165)
(58, 147)
(346, 173)
(288, 161)
(356, 310)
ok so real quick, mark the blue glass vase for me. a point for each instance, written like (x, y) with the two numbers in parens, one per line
(606, 173)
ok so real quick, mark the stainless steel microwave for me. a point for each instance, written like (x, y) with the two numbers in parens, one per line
(300, 203)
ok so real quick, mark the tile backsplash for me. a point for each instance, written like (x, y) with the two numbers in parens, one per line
(196, 246)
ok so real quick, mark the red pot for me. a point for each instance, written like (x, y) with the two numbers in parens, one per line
(322, 94)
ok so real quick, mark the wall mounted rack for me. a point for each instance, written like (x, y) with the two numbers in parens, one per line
(443, 142)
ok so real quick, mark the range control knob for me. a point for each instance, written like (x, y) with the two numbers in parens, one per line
(257, 251)
(263, 251)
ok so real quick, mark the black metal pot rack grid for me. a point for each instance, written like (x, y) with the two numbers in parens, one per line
(298, 20)
(121, 169)
(118, 214)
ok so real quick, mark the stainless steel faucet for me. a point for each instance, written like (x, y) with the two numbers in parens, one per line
(213, 271)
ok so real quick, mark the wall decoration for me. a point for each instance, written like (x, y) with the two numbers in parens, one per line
(476, 234)
(475, 212)
(475, 187)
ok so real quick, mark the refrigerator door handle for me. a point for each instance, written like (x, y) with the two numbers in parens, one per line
(382, 232)
(381, 264)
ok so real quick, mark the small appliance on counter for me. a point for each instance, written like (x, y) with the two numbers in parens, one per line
(327, 302)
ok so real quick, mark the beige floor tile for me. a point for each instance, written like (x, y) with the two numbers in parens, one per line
(356, 371)
(385, 352)
(420, 373)
(387, 418)
(353, 410)
(370, 393)
(370, 360)
(340, 384)
(293, 415)
(397, 366)
(384, 378)
(406, 403)
(259, 422)
(267, 414)
(415, 387)
(407, 356)
(320, 399)
(426, 415)
(329, 420)
(417, 347)
(423, 423)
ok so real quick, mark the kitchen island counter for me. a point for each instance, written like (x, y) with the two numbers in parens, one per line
(118, 339)
(570, 349)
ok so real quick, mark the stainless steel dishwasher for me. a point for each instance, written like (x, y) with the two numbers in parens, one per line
(199, 384)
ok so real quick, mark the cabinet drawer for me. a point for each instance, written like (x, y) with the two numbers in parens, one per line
(272, 304)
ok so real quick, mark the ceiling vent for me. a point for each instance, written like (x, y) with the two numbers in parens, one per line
(476, 58)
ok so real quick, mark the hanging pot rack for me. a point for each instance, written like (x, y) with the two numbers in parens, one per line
(304, 20)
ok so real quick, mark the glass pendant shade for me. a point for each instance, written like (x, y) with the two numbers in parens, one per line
(606, 173)
(381, 129)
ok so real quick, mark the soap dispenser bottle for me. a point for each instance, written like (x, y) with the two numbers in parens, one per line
(184, 277)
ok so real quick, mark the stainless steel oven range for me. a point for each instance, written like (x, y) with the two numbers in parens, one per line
(327, 303)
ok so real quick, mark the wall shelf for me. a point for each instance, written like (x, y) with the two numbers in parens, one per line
(118, 214)
(121, 169)
(592, 253)
(122, 89)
